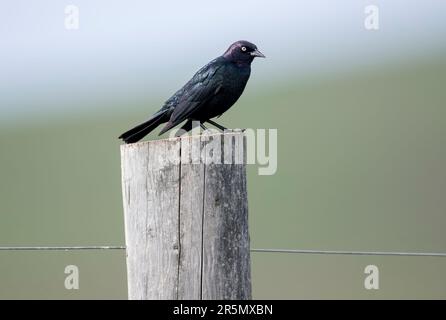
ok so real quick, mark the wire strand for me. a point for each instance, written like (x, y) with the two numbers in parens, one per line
(63, 248)
(356, 253)
(295, 251)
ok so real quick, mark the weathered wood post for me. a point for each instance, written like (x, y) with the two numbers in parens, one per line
(186, 218)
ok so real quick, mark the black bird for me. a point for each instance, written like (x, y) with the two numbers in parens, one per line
(210, 92)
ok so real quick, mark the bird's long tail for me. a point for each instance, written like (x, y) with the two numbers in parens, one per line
(140, 131)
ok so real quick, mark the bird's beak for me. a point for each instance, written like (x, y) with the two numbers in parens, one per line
(257, 53)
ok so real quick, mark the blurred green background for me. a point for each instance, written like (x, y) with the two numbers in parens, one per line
(361, 125)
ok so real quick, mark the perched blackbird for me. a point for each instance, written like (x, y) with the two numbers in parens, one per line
(210, 92)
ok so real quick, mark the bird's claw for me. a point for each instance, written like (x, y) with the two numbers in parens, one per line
(235, 130)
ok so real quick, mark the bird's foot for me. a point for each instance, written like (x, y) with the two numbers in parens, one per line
(235, 130)
(217, 125)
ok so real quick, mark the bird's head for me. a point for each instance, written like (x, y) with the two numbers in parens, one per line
(242, 52)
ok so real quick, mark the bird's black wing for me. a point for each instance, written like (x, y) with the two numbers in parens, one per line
(204, 85)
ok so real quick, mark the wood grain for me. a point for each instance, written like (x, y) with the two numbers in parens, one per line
(186, 218)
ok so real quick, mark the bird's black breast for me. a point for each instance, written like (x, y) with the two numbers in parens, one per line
(210, 92)
(234, 79)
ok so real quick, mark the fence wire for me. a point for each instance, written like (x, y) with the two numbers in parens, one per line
(354, 253)
(61, 248)
(295, 251)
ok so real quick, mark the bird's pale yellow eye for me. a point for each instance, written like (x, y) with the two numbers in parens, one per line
(243, 49)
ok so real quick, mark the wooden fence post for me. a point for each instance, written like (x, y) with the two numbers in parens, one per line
(186, 218)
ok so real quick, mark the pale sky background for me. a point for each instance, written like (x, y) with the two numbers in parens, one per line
(129, 49)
